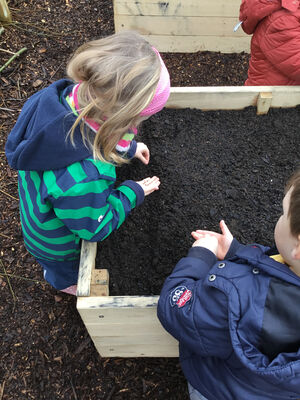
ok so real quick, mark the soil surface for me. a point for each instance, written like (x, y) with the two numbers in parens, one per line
(212, 165)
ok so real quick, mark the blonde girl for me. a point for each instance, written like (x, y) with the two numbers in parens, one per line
(66, 145)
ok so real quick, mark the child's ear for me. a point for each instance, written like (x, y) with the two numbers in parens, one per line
(296, 250)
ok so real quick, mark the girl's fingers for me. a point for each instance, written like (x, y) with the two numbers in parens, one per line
(154, 186)
(149, 181)
(150, 184)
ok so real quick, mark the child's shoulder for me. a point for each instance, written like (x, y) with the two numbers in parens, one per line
(63, 181)
(99, 167)
(84, 170)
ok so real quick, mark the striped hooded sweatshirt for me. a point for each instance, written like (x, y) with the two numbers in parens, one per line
(65, 195)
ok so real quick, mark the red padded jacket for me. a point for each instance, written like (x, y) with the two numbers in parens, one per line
(275, 44)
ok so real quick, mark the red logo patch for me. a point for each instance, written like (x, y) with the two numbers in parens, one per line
(186, 296)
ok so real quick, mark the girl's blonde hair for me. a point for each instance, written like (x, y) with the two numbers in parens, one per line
(119, 75)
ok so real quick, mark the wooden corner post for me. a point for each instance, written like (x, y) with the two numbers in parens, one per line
(264, 102)
(91, 281)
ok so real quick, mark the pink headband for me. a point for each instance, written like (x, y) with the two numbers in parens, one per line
(162, 92)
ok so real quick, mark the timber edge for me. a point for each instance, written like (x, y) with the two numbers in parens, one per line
(234, 97)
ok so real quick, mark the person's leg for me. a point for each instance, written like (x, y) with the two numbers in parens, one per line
(62, 275)
(194, 394)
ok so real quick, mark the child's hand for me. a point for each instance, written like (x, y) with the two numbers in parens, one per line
(149, 185)
(142, 153)
(205, 239)
(224, 240)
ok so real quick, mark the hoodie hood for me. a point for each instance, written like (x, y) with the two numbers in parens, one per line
(38, 141)
(253, 11)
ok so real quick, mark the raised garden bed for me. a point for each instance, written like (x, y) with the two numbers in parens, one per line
(189, 26)
(229, 164)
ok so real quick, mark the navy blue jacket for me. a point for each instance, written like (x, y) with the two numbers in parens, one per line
(38, 141)
(237, 322)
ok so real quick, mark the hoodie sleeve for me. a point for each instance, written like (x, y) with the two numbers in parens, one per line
(128, 153)
(126, 147)
(85, 200)
(281, 44)
(192, 311)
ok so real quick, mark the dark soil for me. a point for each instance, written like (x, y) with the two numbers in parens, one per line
(215, 165)
(212, 165)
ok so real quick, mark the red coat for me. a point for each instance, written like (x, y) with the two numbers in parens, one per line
(275, 44)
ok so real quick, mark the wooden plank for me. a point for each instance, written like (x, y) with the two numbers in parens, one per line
(192, 44)
(139, 302)
(207, 8)
(188, 26)
(99, 282)
(99, 290)
(100, 277)
(231, 97)
(87, 264)
(151, 350)
(125, 316)
(264, 102)
(126, 326)
(183, 26)
(130, 309)
(134, 328)
(136, 339)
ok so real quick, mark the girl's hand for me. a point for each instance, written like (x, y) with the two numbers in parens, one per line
(142, 153)
(224, 239)
(149, 185)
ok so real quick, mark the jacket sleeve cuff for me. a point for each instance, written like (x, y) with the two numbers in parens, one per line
(137, 189)
(195, 265)
(204, 255)
(132, 150)
(235, 245)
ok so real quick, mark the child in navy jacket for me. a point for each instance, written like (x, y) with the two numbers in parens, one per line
(235, 312)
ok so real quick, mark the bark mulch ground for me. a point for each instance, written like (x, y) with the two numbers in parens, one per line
(212, 165)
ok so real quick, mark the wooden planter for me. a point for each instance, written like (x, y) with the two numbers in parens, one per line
(184, 26)
(127, 326)
(120, 326)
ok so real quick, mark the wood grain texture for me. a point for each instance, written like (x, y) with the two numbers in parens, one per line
(184, 26)
(188, 8)
(231, 97)
(264, 102)
(126, 326)
(87, 264)
(192, 44)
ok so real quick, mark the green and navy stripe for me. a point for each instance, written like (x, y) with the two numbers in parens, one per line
(60, 207)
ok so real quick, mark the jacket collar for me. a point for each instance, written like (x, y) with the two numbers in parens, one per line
(257, 257)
